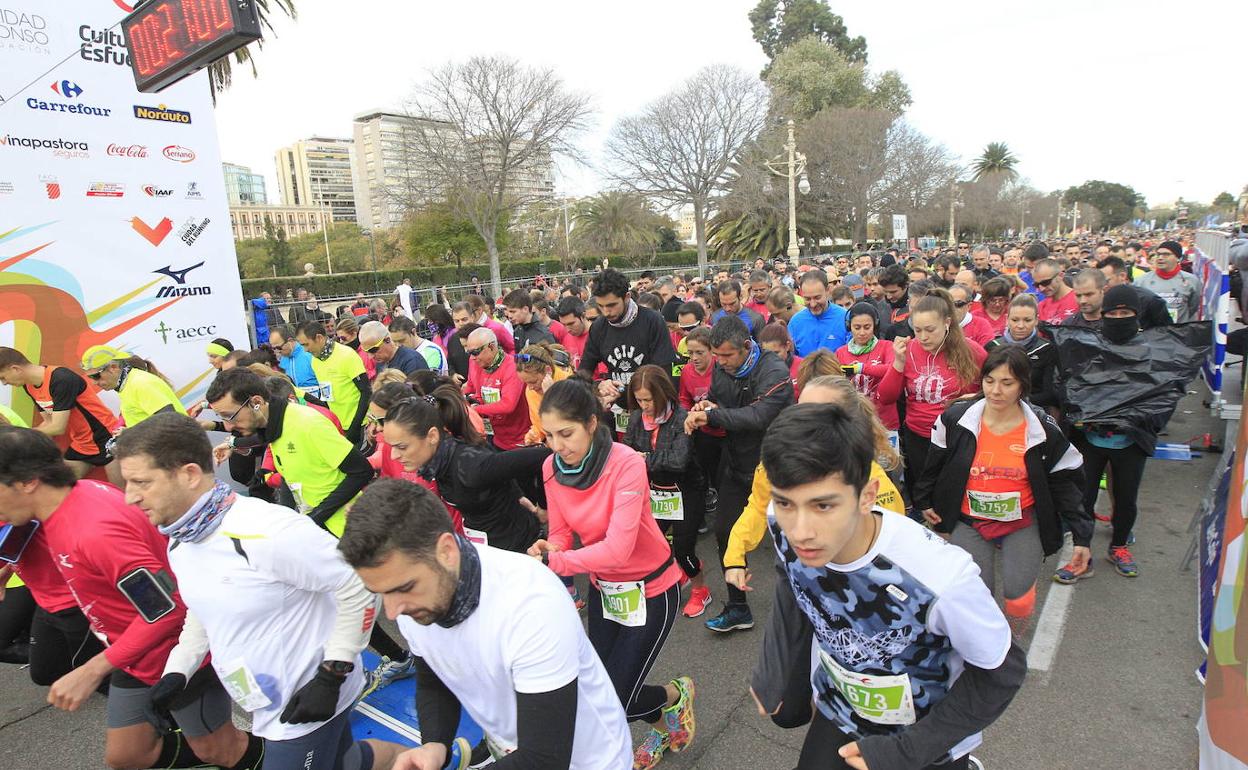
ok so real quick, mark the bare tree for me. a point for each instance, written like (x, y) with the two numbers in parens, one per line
(680, 148)
(483, 135)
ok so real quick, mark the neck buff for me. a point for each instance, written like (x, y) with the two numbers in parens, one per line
(468, 589)
(1168, 274)
(204, 516)
(1005, 333)
(650, 423)
(859, 350)
(584, 475)
(440, 462)
(498, 360)
(125, 375)
(630, 315)
(329, 348)
(750, 362)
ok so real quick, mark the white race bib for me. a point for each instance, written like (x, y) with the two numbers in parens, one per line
(894, 440)
(995, 506)
(621, 419)
(625, 603)
(884, 700)
(243, 688)
(491, 395)
(476, 536)
(667, 504)
(296, 491)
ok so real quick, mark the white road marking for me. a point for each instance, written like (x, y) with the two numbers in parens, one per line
(1052, 622)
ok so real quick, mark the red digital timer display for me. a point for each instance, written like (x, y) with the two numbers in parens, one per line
(171, 39)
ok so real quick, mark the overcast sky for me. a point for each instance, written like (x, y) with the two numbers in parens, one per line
(1146, 93)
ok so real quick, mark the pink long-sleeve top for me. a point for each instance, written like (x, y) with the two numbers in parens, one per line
(620, 540)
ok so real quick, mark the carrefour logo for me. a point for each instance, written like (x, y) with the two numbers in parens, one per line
(162, 113)
(67, 88)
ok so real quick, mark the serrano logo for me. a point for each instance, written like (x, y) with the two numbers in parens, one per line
(154, 235)
(127, 151)
(179, 154)
(158, 192)
(161, 113)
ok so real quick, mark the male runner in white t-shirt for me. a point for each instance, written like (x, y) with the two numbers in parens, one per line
(267, 595)
(493, 632)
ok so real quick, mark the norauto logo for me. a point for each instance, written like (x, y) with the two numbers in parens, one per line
(184, 335)
(61, 148)
(161, 113)
(192, 230)
(21, 31)
(180, 289)
(103, 46)
(68, 90)
(128, 150)
(177, 152)
(158, 192)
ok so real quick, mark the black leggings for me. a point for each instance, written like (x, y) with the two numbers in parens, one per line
(683, 534)
(707, 450)
(914, 449)
(629, 652)
(60, 642)
(734, 493)
(16, 612)
(823, 739)
(1128, 471)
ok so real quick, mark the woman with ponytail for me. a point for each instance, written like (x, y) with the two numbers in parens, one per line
(433, 436)
(599, 491)
(936, 367)
(141, 388)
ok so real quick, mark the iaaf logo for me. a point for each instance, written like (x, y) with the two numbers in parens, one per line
(178, 153)
(128, 151)
(184, 335)
(158, 192)
(106, 190)
(190, 231)
(179, 278)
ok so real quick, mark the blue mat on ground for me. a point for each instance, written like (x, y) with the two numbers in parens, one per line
(389, 714)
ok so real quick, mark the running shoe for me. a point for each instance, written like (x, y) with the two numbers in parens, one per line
(1103, 519)
(1123, 561)
(651, 750)
(699, 599)
(973, 763)
(478, 756)
(735, 617)
(1067, 574)
(465, 754)
(388, 671)
(1131, 537)
(678, 718)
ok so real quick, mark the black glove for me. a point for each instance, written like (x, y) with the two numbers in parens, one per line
(163, 693)
(317, 700)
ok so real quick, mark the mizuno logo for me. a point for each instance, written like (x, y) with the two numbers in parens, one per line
(178, 276)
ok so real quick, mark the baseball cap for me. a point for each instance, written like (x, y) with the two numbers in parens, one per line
(97, 357)
(854, 283)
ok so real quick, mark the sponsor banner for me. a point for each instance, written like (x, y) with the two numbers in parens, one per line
(114, 227)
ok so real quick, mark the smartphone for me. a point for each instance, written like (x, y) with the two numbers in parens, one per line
(13, 540)
(849, 370)
(148, 593)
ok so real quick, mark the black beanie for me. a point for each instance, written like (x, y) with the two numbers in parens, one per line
(1174, 247)
(1121, 297)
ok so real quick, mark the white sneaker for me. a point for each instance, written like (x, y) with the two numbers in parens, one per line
(973, 764)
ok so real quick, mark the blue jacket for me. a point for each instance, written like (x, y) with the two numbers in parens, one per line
(752, 319)
(810, 333)
(298, 367)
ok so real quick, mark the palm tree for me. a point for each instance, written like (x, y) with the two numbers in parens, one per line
(616, 222)
(220, 73)
(997, 159)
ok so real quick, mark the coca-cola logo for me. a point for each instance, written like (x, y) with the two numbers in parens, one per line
(177, 152)
(128, 151)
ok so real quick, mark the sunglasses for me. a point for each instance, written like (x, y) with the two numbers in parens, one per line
(689, 327)
(524, 358)
(377, 347)
(962, 303)
(369, 419)
(476, 351)
(1044, 283)
(94, 376)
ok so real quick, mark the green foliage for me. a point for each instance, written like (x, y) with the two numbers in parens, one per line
(277, 247)
(762, 232)
(347, 284)
(435, 233)
(668, 240)
(996, 160)
(1224, 202)
(616, 222)
(220, 72)
(1116, 202)
(812, 74)
(778, 24)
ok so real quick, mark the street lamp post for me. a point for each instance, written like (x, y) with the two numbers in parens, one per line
(372, 247)
(793, 167)
(955, 203)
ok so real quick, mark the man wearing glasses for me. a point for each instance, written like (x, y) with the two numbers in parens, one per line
(343, 380)
(497, 390)
(1059, 301)
(375, 340)
(293, 358)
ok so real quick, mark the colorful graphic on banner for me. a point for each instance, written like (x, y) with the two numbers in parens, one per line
(95, 247)
(1211, 266)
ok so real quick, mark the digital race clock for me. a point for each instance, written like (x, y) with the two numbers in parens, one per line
(170, 39)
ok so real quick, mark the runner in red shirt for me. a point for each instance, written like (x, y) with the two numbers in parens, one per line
(498, 390)
(866, 361)
(117, 567)
(571, 312)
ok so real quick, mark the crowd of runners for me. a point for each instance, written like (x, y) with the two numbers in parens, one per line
(522, 483)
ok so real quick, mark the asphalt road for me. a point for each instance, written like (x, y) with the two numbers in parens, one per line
(1120, 691)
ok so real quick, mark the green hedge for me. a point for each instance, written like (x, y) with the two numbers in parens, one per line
(346, 284)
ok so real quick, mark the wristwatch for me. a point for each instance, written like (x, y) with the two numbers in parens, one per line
(338, 667)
